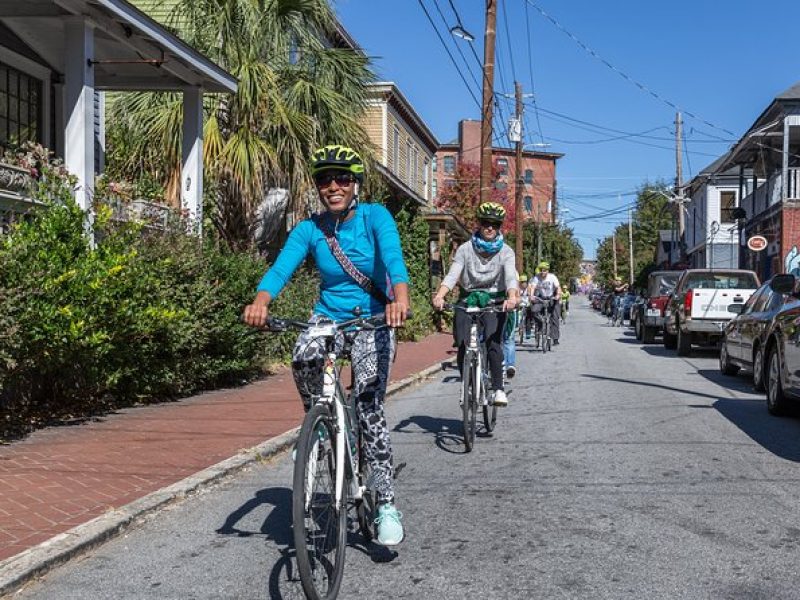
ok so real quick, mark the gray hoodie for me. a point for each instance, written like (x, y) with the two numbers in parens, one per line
(473, 271)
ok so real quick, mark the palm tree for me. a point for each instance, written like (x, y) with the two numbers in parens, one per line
(295, 94)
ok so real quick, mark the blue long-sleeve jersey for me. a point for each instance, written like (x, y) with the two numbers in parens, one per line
(372, 243)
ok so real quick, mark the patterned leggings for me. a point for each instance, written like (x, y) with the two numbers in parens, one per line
(371, 355)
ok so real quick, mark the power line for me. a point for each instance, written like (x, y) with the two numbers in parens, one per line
(508, 40)
(458, 46)
(530, 71)
(621, 73)
(450, 54)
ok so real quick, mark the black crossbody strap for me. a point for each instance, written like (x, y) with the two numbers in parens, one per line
(364, 282)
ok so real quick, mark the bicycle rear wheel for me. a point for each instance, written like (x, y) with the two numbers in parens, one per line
(320, 528)
(469, 405)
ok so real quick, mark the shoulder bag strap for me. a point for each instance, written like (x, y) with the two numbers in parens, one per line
(364, 282)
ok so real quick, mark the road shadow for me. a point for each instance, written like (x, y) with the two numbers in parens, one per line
(276, 525)
(650, 384)
(743, 382)
(780, 436)
(449, 433)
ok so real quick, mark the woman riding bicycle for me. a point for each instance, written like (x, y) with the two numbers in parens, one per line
(367, 236)
(484, 269)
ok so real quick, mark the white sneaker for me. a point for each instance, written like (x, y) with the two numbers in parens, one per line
(500, 398)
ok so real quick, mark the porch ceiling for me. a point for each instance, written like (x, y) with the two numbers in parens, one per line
(132, 52)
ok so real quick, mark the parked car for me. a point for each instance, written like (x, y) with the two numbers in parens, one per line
(697, 311)
(650, 319)
(782, 349)
(744, 340)
(627, 305)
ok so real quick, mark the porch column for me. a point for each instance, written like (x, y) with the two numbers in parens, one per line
(79, 111)
(785, 161)
(192, 166)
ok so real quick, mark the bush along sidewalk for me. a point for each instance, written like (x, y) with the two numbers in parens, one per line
(140, 318)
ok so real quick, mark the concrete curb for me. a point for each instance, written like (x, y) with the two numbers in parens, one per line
(20, 569)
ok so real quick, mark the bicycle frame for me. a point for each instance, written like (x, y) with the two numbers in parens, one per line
(339, 406)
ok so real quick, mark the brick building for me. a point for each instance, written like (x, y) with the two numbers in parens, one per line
(538, 171)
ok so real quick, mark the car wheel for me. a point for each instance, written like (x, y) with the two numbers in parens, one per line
(777, 403)
(683, 342)
(725, 366)
(758, 371)
(637, 327)
(648, 334)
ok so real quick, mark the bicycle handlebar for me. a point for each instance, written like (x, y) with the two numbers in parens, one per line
(493, 306)
(276, 324)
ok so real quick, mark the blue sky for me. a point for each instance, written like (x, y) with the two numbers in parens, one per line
(721, 61)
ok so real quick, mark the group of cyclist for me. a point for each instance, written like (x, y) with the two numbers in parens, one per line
(356, 248)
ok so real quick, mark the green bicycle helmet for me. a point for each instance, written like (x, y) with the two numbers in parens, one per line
(491, 211)
(340, 158)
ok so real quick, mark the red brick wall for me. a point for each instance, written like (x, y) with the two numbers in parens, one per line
(544, 169)
(790, 232)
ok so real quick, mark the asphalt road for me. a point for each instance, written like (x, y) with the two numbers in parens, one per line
(617, 471)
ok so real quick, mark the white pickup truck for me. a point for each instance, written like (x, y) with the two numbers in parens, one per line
(699, 306)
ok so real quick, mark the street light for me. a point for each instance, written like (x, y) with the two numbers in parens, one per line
(459, 31)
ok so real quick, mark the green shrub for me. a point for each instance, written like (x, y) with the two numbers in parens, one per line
(143, 317)
(413, 231)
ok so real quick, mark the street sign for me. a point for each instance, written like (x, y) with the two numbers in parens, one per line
(757, 243)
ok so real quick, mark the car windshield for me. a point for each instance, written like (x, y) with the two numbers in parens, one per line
(662, 284)
(721, 281)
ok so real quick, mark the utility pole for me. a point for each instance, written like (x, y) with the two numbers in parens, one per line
(488, 100)
(518, 178)
(630, 243)
(614, 247)
(539, 225)
(679, 180)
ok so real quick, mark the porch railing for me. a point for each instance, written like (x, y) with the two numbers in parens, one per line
(769, 192)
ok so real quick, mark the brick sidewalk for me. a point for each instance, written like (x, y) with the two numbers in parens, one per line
(61, 477)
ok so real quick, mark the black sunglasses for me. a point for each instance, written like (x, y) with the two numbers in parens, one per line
(341, 179)
(494, 224)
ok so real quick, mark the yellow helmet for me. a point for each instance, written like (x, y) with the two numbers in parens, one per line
(491, 211)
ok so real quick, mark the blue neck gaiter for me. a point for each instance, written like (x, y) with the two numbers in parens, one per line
(486, 247)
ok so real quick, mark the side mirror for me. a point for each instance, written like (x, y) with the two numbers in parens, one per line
(784, 284)
(736, 308)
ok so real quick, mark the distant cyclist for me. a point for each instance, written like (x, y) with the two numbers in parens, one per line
(564, 302)
(367, 236)
(514, 321)
(484, 269)
(545, 286)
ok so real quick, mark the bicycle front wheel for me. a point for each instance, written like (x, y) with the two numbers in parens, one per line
(470, 401)
(320, 527)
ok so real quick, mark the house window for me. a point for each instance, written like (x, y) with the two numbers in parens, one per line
(408, 163)
(502, 164)
(20, 107)
(727, 202)
(415, 168)
(528, 176)
(396, 151)
(528, 202)
(425, 176)
(433, 165)
(500, 185)
(449, 164)
(450, 183)
(434, 188)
